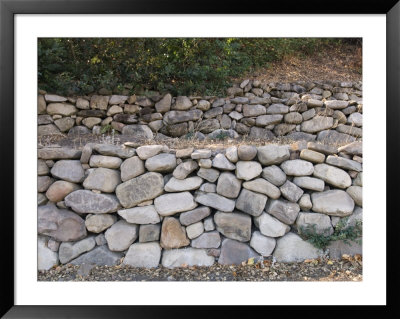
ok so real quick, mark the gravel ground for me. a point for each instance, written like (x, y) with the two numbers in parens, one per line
(347, 269)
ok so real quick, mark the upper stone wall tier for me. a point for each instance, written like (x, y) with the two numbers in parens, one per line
(153, 204)
(329, 112)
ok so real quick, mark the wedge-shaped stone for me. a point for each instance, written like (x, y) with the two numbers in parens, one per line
(270, 226)
(147, 151)
(262, 186)
(283, 210)
(131, 168)
(272, 154)
(215, 201)
(173, 234)
(60, 224)
(333, 202)
(140, 189)
(251, 203)
(145, 255)
(140, 215)
(209, 174)
(194, 216)
(332, 175)
(186, 257)
(222, 163)
(314, 184)
(292, 248)
(181, 185)
(121, 235)
(184, 169)
(234, 252)
(297, 167)
(170, 204)
(234, 225)
(88, 202)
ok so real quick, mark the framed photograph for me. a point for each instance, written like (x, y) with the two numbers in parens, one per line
(83, 110)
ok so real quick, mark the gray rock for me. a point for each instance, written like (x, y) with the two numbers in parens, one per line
(164, 105)
(195, 230)
(297, 167)
(246, 152)
(186, 257)
(270, 226)
(311, 183)
(314, 103)
(209, 174)
(140, 189)
(148, 233)
(99, 102)
(60, 224)
(215, 201)
(182, 103)
(277, 109)
(86, 153)
(333, 202)
(322, 148)
(43, 183)
(358, 181)
(214, 112)
(147, 151)
(69, 251)
(291, 192)
(100, 239)
(98, 222)
(184, 153)
(56, 153)
(308, 114)
(248, 170)
(114, 150)
(222, 163)
(100, 256)
(228, 185)
(48, 129)
(63, 109)
(317, 124)
(350, 130)
(184, 169)
(121, 235)
(65, 124)
(205, 163)
(117, 99)
(264, 120)
(173, 234)
(207, 240)
(274, 175)
(336, 104)
(175, 117)
(208, 224)
(140, 215)
(164, 163)
(272, 154)
(69, 170)
(338, 248)
(262, 244)
(332, 175)
(251, 203)
(203, 105)
(312, 156)
(262, 186)
(291, 248)
(260, 133)
(145, 255)
(42, 168)
(234, 253)
(139, 131)
(41, 199)
(253, 110)
(202, 153)
(194, 216)
(344, 163)
(283, 129)
(314, 223)
(181, 185)
(305, 202)
(234, 225)
(170, 204)
(88, 202)
(283, 210)
(131, 168)
(102, 179)
(54, 98)
(105, 161)
(356, 194)
(91, 122)
(46, 258)
(354, 148)
(332, 137)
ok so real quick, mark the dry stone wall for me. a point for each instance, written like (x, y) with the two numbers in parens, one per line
(153, 205)
(328, 112)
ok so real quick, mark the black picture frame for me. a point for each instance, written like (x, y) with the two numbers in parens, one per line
(8, 10)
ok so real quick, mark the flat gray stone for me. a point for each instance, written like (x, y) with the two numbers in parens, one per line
(272, 154)
(59, 189)
(311, 183)
(292, 248)
(234, 225)
(209, 174)
(194, 216)
(88, 202)
(181, 185)
(63, 109)
(146, 255)
(274, 175)
(344, 163)
(139, 131)
(333, 137)
(283, 210)
(46, 258)
(314, 223)
(262, 244)
(60, 224)
(354, 148)
(251, 203)
(297, 167)
(57, 153)
(248, 170)
(69, 170)
(147, 151)
(215, 201)
(228, 185)
(253, 110)
(98, 222)
(332, 175)
(148, 233)
(356, 194)
(186, 257)
(170, 204)
(105, 161)
(317, 124)
(291, 191)
(114, 150)
(102, 179)
(262, 186)
(312, 156)
(222, 163)
(277, 109)
(202, 153)
(140, 215)
(184, 169)
(69, 251)
(234, 252)
(99, 256)
(195, 230)
(140, 189)
(131, 168)
(207, 240)
(270, 226)
(338, 248)
(333, 202)
(163, 163)
(121, 235)
(336, 104)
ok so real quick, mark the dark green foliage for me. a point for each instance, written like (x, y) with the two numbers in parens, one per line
(178, 65)
(221, 136)
(347, 234)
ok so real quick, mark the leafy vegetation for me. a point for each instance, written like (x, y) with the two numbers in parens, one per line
(177, 65)
(342, 231)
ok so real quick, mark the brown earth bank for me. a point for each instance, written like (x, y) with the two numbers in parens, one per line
(322, 269)
(335, 63)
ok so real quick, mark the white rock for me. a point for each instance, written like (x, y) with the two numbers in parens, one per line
(248, 170)
(262, 244)
(270, 226)
(221, 162)
(186, 257)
